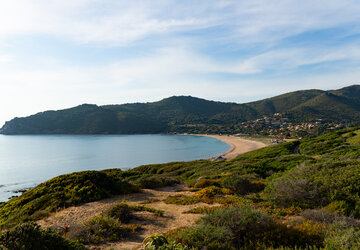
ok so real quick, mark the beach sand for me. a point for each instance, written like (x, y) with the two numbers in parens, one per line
(238, 145)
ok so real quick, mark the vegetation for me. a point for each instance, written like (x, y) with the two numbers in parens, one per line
(157, 212)
(244, 228)
(60, 192)
(298, 194)
(31, 236)
(193, 115)
(201, 210)
(152, 182)
(156, 241)
(102, 229)
(120, 211)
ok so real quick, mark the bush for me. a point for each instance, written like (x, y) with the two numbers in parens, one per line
(155, 240)
(207, 193)
(202, 237)
(102, 229)
(326, 217)
(240, 222)
(338, 207)
(320, 184)
(31, 236)
(341, 236)
(121, 212)
(238, 184)
(294, 191)
(246, 228)
(206, 183)
(156, 182)
(170, 246)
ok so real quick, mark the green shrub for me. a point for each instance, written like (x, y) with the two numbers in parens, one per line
(102, 229)
(155, 240)
(338, 207)
(202, 237)
(341, 236)
(156, 182)
(121, 212)
(326, 217)
(202, 183)
(240, 222)
(207, 193)
(172, 245)
(325, 183)
(31, 236)
(246, 228)
(295, 189)
(238, 184)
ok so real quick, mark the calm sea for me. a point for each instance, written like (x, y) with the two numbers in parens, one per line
(27, 160)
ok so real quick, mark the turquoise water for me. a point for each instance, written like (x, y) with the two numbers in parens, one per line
(27, 160)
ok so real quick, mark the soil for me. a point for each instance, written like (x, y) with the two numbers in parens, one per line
(74, 217)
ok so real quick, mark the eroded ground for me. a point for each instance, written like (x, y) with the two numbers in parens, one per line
(174, 217)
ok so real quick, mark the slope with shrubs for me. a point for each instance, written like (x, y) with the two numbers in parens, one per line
(320, 176)
(60, 192)
(265, 187)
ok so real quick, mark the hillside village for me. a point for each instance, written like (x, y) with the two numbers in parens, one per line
(282, 127)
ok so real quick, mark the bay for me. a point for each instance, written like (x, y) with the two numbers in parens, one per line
(27, 160)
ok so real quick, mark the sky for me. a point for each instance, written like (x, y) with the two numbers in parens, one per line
(59, 54)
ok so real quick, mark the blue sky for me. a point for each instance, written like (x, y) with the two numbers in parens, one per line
(58, 54)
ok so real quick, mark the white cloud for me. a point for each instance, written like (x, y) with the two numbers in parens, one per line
(89, 21)
(175, 69)
(121, 22)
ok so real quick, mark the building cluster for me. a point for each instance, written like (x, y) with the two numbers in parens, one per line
(282, 127)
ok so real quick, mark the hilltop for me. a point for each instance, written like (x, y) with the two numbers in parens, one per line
(193, 115)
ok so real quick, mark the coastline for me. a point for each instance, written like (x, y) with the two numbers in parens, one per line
(238, 145)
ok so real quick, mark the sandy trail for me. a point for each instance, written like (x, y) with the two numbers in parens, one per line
(173, 217)
(238, 145)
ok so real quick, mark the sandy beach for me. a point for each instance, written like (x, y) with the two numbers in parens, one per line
(238, 145)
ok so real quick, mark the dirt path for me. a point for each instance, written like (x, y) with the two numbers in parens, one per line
(173, 216)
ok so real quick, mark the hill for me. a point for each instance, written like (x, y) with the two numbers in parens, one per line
(297, 195)
(190, 114)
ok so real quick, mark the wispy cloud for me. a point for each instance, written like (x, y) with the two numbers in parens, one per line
(232, 50)
(121, 22)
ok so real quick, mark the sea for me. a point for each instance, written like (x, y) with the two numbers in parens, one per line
(28, 160)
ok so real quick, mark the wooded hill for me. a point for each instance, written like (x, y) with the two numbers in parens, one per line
(179, 113)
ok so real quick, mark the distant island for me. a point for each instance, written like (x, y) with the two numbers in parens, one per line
(295, 114)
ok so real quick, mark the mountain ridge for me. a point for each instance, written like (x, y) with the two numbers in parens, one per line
(179, 113)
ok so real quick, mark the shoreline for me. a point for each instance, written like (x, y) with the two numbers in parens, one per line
(238, 145)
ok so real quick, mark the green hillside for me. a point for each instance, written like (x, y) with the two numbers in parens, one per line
(285, 102)
(303, 194)
(184, 113)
